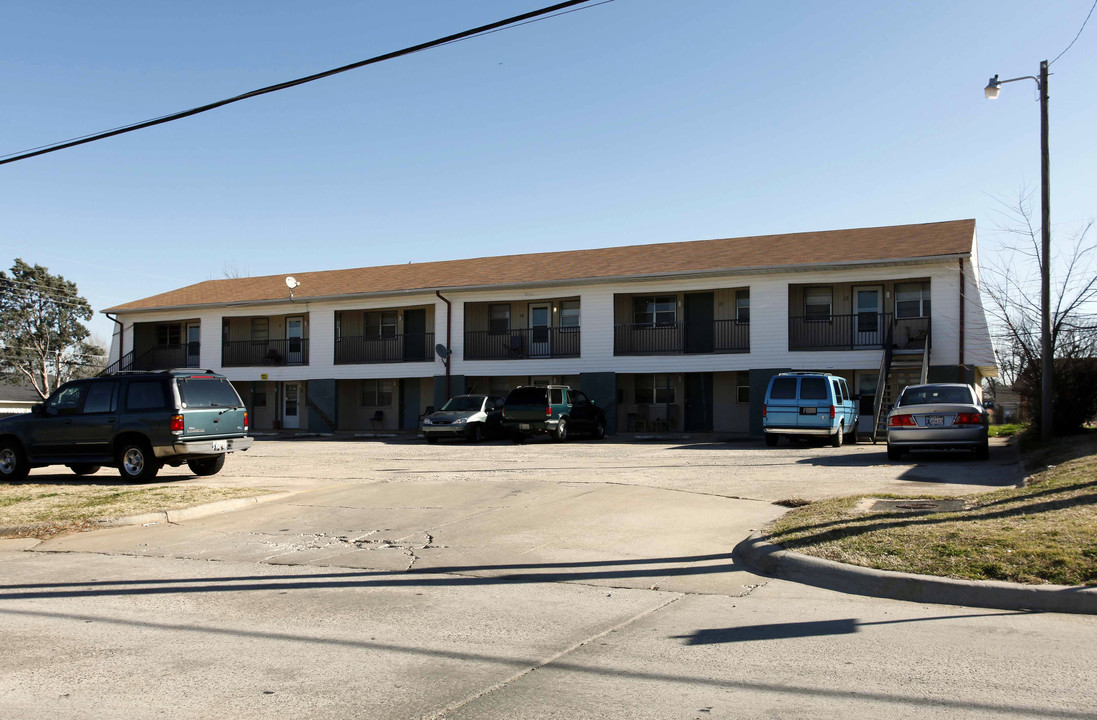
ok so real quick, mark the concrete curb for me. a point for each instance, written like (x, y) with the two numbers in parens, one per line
(770, 559)
(192, 513)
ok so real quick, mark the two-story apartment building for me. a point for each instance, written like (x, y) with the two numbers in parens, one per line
(677, 336)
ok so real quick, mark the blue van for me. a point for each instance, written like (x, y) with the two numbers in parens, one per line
(801, 404)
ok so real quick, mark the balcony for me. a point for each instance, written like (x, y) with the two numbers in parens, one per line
(522, 344)
(858, 331)
(682, 338)
(258, 353)
(415, 347)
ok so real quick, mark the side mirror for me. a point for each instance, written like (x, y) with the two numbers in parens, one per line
(38, 409)
(988, 405)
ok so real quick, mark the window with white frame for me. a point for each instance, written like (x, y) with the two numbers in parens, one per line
(499, 322)
(654, 390)
(655, 310)
(742, 394)
(569, 314)
(376, 393)
(818, 303)
(742, 306)
(912, 300)
(380, 324)
(260, 328)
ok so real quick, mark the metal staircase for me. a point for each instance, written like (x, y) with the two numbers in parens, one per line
(898, 368)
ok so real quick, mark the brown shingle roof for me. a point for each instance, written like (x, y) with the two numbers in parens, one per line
(812, 248)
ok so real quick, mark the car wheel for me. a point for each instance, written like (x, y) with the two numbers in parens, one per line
(599, 429)
(838, 436)
(136, 462)
(13, 461)
(476, 433)
(561, 430)
(894, 453)
(207, 466)
(84, 468)
(431, 439)
(982, 452)
(771, 440)
(851, 436)
(518, 438)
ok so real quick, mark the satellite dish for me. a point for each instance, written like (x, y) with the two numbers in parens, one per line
(442, 350)
(291, 282)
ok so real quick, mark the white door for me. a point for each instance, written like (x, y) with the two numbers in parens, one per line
(295, 327)
(194, 345)
(868, 316)
(291, 419)
(540, 329)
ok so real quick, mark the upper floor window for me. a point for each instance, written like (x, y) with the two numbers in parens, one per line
(569, 313)
(742, 306)
(380, 324)
(912, 300)
(499, 322)
(655, 310)
(168, 334)
(818, 303)
(260, 328)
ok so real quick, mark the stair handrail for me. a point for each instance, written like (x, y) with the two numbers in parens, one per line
(123, 363)
(925, 354)
(881, 383)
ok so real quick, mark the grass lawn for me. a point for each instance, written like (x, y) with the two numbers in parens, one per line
(47, 510)
(1045, 532)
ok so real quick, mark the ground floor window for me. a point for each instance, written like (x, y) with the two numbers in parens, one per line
(654, 390)
(376, 393)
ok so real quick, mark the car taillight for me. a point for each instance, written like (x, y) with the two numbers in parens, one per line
(177, 423)
(765, 408)
(504, 412)
(968, 419)
(902, 421)
(831, 412)
(548, 411)
(245, 421)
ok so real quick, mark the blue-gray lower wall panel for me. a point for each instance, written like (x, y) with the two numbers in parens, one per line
(457, 387)
(322, 399)
(601, 387)
(759, 383)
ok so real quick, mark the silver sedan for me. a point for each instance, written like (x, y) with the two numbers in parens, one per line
(942, 415)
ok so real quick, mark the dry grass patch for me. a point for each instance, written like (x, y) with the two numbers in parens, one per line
(48, 510)
(1045, 532)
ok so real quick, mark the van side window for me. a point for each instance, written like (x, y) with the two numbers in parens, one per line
(784, 388)
(146, 395)
(813, 388)
(845, 390)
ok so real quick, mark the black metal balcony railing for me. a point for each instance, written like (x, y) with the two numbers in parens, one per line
(164, 357)
(718, 336)
(519, 344)
(247, 353)
(858, 331)
(413, 347)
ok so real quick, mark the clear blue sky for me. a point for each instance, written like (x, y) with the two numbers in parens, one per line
(639, 121)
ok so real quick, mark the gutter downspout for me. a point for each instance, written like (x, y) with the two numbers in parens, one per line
(449, 346)
(962, 291)
(121, 339)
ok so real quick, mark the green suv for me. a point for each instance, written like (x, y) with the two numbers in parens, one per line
(556, 410)
(135, 421)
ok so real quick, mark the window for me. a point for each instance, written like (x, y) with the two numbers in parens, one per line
(579, 399)
(783, 388)
(102, 398)
(168, 334)
(813, 388)
(65, 401)
(259, 398)
(912, 300)
(742, 306)
(499, 323)
(652, 389)
(655, 310)
(380, 324)
(817, 303)
(260, 329)
(146, 395)
(376, 393)
(556, 396)
(206, 392)
(742, 394)
(569, 313)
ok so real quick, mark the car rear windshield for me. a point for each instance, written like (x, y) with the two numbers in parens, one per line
(935, 394)
(783, 389)
(464, 403)
(813, 388)
(528, 396)
(200, 392)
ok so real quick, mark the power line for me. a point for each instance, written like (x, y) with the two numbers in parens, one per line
(523, 19)
(1068, 47)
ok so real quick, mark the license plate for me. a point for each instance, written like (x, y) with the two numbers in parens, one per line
(935, 419)
(808, 411)
(523, 426)
(220, 445)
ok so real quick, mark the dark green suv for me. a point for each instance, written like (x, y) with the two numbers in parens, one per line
(556, 410)
(136, 421)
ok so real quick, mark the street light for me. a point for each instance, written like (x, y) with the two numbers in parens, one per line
(991, 93)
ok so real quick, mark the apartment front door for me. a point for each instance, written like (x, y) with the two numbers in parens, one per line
(291, 417)
(700, 319)
(295, 333)
(415, 335)
(540, 329)
(868, 316)
(194, 345)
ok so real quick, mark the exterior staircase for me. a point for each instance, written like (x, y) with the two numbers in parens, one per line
(898, 368)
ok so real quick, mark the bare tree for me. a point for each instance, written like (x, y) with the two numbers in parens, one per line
(1012, 285)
